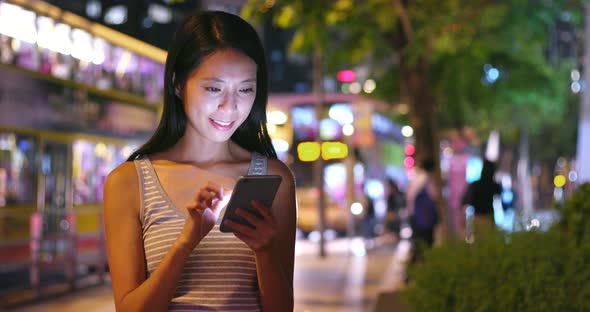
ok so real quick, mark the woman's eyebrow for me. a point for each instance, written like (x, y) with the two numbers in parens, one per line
(215, 79)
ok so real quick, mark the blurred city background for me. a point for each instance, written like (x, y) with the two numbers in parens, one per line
(361, 93)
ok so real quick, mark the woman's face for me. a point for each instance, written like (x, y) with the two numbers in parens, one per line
(219, 94)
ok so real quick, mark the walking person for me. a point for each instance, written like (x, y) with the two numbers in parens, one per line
(480, 195)
(162, 207)
(421, 207)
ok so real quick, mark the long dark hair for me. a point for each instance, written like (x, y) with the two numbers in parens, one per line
(199, 35)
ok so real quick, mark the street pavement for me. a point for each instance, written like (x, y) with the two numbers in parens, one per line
(349, 278)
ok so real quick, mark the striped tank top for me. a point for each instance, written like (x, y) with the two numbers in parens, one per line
(220, 273)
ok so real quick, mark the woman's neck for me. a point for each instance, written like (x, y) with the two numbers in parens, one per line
(199, 151)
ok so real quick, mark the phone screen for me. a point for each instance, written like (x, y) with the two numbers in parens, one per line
(262, 188)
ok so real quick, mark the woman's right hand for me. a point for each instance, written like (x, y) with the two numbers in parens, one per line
(202, 214)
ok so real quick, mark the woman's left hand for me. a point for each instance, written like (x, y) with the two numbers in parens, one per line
(259, 238)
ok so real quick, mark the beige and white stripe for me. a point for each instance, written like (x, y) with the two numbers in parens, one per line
(220, 274)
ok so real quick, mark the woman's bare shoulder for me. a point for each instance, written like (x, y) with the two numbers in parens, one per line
(275, 166)
(123, 175)
(121, 188)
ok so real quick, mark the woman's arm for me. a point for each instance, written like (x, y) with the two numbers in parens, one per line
(275, 265)
(273, 241)
(132, 291)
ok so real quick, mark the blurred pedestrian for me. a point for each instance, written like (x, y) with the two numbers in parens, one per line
(480, 195)
(162, 206)
(421, 197)
(395, 203)
(369, 218)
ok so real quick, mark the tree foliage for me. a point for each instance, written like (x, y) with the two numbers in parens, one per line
(451, 40)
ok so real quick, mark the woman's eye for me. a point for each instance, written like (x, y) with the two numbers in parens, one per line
(212, 89)
(247, 90)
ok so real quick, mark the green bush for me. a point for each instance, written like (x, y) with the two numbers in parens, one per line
(524, 271)
(576, 214)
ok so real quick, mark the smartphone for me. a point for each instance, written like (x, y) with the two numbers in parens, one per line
(262, 188)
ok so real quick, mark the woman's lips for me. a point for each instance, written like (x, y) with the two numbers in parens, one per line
(221, 125)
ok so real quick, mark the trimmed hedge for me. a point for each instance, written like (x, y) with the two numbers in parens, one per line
(524, 271)
(576, 215)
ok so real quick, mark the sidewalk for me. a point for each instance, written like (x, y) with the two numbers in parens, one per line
(342, 281)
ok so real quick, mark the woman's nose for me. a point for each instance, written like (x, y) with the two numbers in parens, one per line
(228, 104)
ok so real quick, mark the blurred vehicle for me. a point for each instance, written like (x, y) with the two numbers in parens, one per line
(77, 97)
(355, 141)
(308, 215)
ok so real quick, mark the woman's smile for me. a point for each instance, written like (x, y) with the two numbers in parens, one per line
(222, 125)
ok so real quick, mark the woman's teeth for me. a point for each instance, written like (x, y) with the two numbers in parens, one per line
(223, 123)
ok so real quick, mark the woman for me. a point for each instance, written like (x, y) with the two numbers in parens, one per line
(163, 206)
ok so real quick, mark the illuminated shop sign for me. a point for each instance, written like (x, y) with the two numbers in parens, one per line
(308, 151)
(311, 151)
(334, 150)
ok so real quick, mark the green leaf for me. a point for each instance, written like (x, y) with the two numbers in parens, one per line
(286, 16)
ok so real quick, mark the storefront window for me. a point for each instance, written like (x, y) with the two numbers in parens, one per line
(18, 183)
(92, 163)
(335, 182)
(6, 52)
(40, 43)
(305, 123)
(150, 79)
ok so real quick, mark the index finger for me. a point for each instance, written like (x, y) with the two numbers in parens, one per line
(212, 189)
